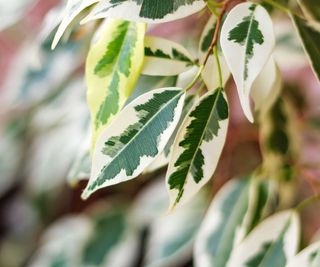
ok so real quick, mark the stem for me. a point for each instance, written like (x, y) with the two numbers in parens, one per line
(307, 202)
(278, 6)
(215, 52)
(195, 79)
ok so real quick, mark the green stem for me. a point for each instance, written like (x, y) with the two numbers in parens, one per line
(307, 202)
(215, 52)
(195, 79)
(277, 5)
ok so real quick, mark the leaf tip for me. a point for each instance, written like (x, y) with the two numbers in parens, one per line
(85, 194)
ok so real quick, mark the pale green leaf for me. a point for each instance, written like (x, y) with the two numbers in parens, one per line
(247, 40)
(197, 147)
(150, 11)
(112, 69)
(133, 140)
(271, 244)
(165, 58)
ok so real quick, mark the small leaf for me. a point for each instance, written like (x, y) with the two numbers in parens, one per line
(210, 73)
(73, 9)
(272, 243)
(132, 141)
(232, 214)
(197, 147)
(310, 39)
(149, 11)
(112, 69)
(247, 40)
(309, 257)
(165, 58)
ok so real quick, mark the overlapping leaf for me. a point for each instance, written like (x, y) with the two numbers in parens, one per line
(72, 10)
(310, 39)
(311, 9)
(247, 40)
(309, 257)
(112, 69)
(165, 58)
(272, 243)
(197, 147)
(233, 212)
(149, 11)
(132, 141)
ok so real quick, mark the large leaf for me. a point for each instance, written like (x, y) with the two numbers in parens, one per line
(112, 69)
(271, 244)
(310, 39)
(197, 147)
(309, 257)
(210, 73)
(247, 40)
(72, 10)
(149, 11)
(132, 141)
(165, 58)
(232, 214)
(311, 9)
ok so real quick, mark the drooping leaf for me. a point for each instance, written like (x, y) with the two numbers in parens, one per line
(165, 58)
(271, 244)
(72, 10)
(210, 73)
(138, 134)
(309, 257)
(197, 147)
(149, 11)
(112, 69)
(169, 244)
(247, 40)
(310, 39)
(232, 214)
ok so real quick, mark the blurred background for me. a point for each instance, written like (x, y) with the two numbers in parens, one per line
(44, 165)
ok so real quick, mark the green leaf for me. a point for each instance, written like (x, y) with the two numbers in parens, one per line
(247, 40)
(149, 11)
(310, 39)
(165, 58)
(271, 244)
(132, 141)
(309, 257)
(232, 214)
(192, 163)
(112, 69)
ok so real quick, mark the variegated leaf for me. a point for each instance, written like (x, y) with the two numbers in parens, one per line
(112, 69)
(210, 73)
(149, 11)
(309, 257)
(172, 236)
(138, 135)
(165, 58)
(310, 39)
(197, 147)
(272, 243)
(73, 9)
(266, 88)
(233, 212)
(247, 40)
(113, 237)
